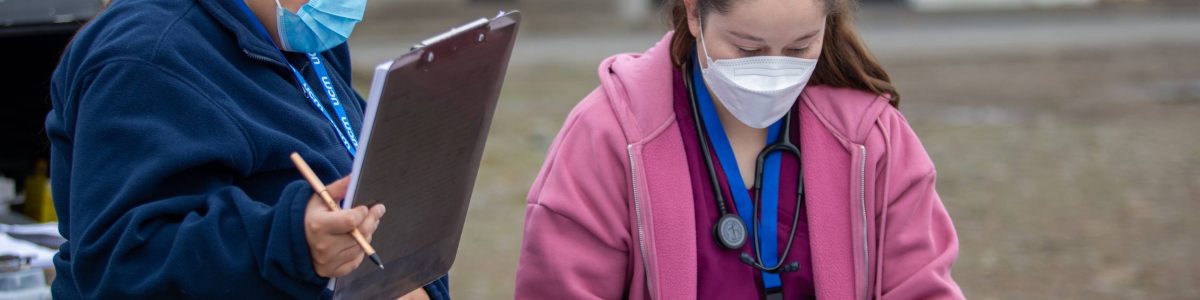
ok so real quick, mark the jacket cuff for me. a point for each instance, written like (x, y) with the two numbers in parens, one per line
(296, 195)
(439, 289)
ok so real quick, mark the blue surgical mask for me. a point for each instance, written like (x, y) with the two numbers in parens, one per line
(319, 25)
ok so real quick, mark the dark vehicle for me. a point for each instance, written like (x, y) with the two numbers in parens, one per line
(33, 35)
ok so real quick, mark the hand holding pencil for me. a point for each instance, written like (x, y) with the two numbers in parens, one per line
(337, 238)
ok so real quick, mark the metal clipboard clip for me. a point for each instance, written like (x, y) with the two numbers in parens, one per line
(452, 32)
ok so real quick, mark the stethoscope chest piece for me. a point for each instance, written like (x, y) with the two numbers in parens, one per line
(730, 231)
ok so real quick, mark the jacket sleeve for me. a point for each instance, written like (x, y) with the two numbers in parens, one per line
(439, 289)
(144, 173)
(919, 245)
(577, 237)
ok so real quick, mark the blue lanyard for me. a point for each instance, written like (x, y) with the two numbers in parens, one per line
(768, 241)
(349, 139)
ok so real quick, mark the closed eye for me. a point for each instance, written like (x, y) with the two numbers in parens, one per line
(749, 51)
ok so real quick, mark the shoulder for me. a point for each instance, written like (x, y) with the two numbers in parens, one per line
(863, 118)
(639, 88)
(141, 42)
(902, 143)
(142, 30)
(592, 118)
(585, 165)
(850, 114)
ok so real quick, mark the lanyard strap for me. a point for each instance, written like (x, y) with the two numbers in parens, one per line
(768, 241)
(349, 139)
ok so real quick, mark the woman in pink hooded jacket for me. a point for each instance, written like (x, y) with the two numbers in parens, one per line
(775, 166)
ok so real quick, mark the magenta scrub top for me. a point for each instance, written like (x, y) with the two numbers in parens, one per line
(720, 272)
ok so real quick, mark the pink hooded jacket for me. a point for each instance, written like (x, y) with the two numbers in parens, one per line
(611, 214)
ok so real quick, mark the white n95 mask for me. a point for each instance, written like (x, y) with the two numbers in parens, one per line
(757, 90)
(319, 25)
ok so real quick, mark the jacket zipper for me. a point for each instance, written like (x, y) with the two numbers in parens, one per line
(862, 201)
(637, 207)
(263, 58)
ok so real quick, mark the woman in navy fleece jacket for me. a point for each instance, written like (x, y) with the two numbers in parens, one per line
(170, 132)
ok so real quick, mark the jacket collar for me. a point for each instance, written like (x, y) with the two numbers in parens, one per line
(230, 14)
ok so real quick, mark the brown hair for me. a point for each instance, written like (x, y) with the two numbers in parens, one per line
(844, 61)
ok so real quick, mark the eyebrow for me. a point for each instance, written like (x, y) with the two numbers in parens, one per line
(753, 38)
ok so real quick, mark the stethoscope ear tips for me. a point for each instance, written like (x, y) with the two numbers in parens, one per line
(792, 267)
(746, 259)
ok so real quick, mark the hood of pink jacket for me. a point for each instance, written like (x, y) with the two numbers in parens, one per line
(616, 177)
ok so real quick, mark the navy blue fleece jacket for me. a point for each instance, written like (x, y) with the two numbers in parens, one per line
(170, 132)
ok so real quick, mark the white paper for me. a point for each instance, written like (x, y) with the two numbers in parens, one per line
(42, 257)
(50, 229)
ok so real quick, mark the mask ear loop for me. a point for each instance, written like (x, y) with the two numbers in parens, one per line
(280, 6)
(279, 11)
(703, 44)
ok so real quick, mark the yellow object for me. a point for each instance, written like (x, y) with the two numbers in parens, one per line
(38, 204)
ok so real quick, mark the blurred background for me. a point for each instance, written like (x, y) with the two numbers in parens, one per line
(1065, 132)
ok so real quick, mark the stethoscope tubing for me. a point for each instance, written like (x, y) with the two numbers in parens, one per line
(784, 144)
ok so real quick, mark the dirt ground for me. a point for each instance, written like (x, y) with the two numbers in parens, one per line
(1070, 172)
(1068, 176)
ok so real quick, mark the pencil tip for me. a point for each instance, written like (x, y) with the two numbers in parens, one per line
(375, 258)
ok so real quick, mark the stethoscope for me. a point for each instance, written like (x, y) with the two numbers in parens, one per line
(729, 230)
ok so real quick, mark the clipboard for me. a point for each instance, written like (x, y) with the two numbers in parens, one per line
(426, 124)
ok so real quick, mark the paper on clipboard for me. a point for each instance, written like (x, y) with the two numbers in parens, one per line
(426, 123)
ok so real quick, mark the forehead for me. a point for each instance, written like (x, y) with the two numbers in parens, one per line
(764, 16)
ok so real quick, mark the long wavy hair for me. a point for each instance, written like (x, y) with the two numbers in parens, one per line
(844, 61)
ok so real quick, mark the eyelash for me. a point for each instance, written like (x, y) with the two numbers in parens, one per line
(751, 51)
(748, 50)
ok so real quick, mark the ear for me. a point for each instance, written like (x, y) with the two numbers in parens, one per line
(693, 17)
